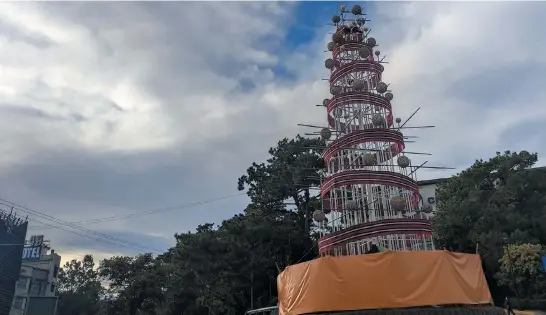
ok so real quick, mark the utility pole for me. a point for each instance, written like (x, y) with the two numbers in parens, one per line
(252, 288)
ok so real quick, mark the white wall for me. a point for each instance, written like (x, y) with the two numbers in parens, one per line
(428, 191)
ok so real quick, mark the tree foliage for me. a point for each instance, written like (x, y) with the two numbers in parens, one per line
(521, 268)
(493, 203)
(79, 287)
(289, 174)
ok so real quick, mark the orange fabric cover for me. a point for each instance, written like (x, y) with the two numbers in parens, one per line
(384, 280)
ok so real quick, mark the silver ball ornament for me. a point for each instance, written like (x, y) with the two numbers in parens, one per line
(336, 19)
(398, 203)
(331, 46)
(371, 42)
(356, 9)
(329, 63)
(335, 90)
(398, 120)
(389, 96)
(325, 134)
(359, 85)
(325, 102)
(403, 161)
(369, 159)
(364, 52)
(337, 38)
(381, 87)
(378, 120)
(319, 216)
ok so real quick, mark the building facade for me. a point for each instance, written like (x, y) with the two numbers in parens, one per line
(13, 232)
(427, 190)
(38, 277)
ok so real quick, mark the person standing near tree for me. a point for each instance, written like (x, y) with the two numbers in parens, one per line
(508, 306)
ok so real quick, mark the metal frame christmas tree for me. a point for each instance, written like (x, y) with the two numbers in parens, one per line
(369, 190)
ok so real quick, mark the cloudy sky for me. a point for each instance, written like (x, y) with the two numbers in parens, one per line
(108, 109)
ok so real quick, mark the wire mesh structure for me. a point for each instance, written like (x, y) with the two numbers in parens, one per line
(369, 189)
(13, 230)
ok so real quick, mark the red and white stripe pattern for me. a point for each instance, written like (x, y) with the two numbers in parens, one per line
(414, 227)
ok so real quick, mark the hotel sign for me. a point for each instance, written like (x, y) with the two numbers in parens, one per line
(32, 253)
(33, 249)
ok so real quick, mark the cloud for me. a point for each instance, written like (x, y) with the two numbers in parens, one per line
(112, 108)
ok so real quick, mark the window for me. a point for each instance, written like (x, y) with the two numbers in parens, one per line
(55, 271)
(53, 287)
(22, 283)
(19, 303)
(36, 287)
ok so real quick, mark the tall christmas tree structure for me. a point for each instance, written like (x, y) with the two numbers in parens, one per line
(369, 190)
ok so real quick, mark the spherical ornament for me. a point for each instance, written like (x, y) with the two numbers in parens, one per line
(364, 52)
(335, 90)
(329, 63)
(381, 87)
(337, 38)
(377, 53)
(403, 161)
(352, 205)
(359, 85)
(371, 42)
(365, 29)
(398, 120)
(360, 21)
(398, 203)
(325, 102)
(336, 19)
(325, 134)
(369, 159)
(356, 9)
(389, 96)
(319, 216)
(338, 112)
(378, 120)
(331, 46)
(381, 68)
(342, 7)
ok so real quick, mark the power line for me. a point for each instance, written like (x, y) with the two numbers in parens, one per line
(65, 223)
(150, 212)
(80, 234)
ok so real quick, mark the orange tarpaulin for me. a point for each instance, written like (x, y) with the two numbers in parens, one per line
(384, 280)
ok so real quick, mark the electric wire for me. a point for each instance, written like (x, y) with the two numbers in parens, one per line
(150, 212)
(63, 223)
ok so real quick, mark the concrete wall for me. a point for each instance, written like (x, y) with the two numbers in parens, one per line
(428, 192)
(38, 278)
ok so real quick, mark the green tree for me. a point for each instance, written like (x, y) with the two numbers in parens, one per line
(492, 203)
(520, 269)
(79, 288)
(136, 282)
(289, 174)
